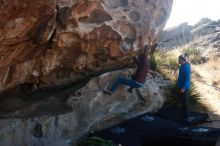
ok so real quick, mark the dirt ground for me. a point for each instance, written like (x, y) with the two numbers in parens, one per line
(207, 79)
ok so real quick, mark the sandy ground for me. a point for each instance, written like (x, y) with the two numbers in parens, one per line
(207, 79)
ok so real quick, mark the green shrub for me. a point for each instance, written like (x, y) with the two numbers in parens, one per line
(194, 55)
(170, 67)
(153, 63)
(172, 95)
(95, 141)
(157, 60)
(172, 63)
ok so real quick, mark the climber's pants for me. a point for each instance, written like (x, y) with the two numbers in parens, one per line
(124, 81)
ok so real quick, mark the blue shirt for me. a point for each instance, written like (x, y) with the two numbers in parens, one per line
(184, 76)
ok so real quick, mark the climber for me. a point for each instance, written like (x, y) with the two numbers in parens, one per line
(184, 84)
(140, 75)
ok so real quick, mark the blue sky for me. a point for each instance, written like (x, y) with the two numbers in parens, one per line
(192, 11)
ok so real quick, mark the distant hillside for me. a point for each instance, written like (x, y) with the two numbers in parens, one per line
(204, 34)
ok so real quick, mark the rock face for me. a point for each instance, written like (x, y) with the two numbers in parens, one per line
(204, 34)
(54, 42)
(91, 110)
(49, 49)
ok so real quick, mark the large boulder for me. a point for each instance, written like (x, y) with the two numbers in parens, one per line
(91, 110)
(53, 54)
(55, 42)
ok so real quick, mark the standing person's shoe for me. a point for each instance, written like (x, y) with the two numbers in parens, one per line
(107, 92)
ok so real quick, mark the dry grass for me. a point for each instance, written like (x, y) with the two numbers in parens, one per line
(209, 71)
(194, 55)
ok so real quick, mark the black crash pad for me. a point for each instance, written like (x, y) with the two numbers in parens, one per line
(154, 130)
(182, 141)
(198, 131)
(135, 131)
(176, 114)
(153, 126)
(122, 134)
